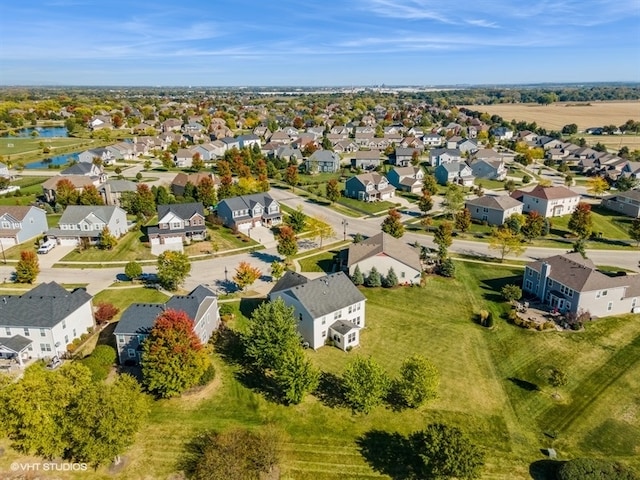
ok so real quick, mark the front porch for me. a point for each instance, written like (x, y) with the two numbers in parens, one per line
(14, 352)
(344, 334)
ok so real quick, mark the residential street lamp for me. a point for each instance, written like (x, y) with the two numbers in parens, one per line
(225, 274)
(345, 224)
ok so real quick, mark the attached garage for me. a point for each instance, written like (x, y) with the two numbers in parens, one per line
(68, 241)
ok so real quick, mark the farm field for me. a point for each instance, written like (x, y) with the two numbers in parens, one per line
(493, 387)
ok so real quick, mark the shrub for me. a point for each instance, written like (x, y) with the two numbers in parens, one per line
(447, 268)
(594, 469)
(84, 336)
(105, 312)
(208, 376)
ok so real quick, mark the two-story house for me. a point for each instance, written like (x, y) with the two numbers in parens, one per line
(369, 187)
(136, 322)
(112, 190)
(180, 181)
(488, 168)
(79, 182)
(323, 161)
(402, 157)
(327, 308)
(85, 223)
(178, 223)
(365, 159)
(493, 209)
(103, 154)
(627, 203)
(408, 179)
(455, 172)
(570, 283)
(43, 321)
(247, 211)
(21, 223)
(548, 201)
(444, 155)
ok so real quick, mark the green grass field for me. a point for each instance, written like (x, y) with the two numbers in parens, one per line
(366, 208)
(128, 248)
(19, 151)
(493, 387)
(322, 262)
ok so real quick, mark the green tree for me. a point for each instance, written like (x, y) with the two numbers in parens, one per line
(391, 280)
(557, 378)
(392, 224)
(580, 246)
(133, 270)
(418, 382)
(66, 193)
(511, 292)
(320, 228)
(287, 242)
(246, 275)
(430, 185)
(297, 220)
(277, 270)
(506, 242)
(443, 238)
(106, 240)
(272, 331)
(28, 267)
(206, 192)
(365, 384)
(581, 221)
(462, 220)
(515, 222)
(509, 185)
(441, 451)
(447, 268)
(625, 183)
(291, 176)
(533, 226)
(197, 163)
(425, 203)
(453, 200)
(173, 358)
(295, 375)
(90, 196)
(373, 279)
(173, 268)
(333, 190)
(594, 469)
(357, 278)
(634, 231)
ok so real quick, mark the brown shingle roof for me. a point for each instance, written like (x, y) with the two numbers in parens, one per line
(384, 243)
(16, 211)
(552, 193)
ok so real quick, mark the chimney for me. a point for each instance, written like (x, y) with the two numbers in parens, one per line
(545, 271)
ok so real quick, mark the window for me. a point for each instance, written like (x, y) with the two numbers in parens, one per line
(337, 315)
(131, 352)
(74, 333)
(43, 332)
(26, 332)
(8, 331)
(324, 333)
(300, 316)
(45, 347)
(609, 306)
(323, 321)
(66, 339)
(359, 305)
(357, 320)
(528, 285)
(351, 337)
(64, 324)
(350, 308)
(402, 274)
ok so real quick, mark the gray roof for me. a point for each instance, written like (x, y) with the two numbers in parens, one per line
(17, 343)
(325, 295)
(74, 214)
(41, 307)
(289, 280)
(120, 186)
(343, 327)
(580, 274)
(324, 156)
(182, 210)
(82, 168)
(496, 202)
(630, 194)
(139, 318)
(383, 243)
(247, 201)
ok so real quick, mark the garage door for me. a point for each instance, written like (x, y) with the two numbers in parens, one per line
(172, 240)
(7, 242)
(69, 242)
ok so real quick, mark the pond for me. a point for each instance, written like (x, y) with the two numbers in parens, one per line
(43, 132)
(56, 161)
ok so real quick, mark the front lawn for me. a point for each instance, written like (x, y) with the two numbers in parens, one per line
(129, 247)
(367, 208)
(322, 262)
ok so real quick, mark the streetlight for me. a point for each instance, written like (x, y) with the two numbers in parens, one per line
(345, 224)
(225, 273)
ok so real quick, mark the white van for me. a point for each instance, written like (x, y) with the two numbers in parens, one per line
(47, 246)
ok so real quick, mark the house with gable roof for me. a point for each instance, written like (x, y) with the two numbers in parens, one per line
(247, 211)
(21, 223)
(136, 322)
(86, 222)
(408, 179)
(43, 321)
(369, 187)
(493, 209)
(327, 308)
(548, 201)
(384, 252)
(323, 161)
(365, 159)
(627, 203)
(571, 283)
(455, 172)
(178, 223)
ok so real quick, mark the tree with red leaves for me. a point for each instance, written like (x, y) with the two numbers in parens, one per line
(173, 357)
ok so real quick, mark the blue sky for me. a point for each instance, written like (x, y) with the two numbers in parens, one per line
(315, 43)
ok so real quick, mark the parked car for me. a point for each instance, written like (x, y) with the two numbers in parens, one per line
(47, 246)
(54, 363)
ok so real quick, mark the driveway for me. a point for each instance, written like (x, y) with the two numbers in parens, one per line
(47, 260)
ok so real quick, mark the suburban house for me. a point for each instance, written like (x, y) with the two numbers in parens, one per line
(21, 223)
(183, 158)
(249, 140)
(327, 308)
(4, 171)
(248, 211)
(103, 154)
(384, 252)
(403, 156)
(493, 209)
(80, 182)
(200, 305)
(122, 151)
(86, 222)
(627, 203)
(488, 169)
(323, 161)
(42, 322)
(181, 180)
(369, 187)
(86, 169)
(365, 159)
(502, 133)
(444, 155)
(178, 223)
(570, 283)
(455, 172)
(432, 140)
(112, 190)
(408, 179)
(549, 201)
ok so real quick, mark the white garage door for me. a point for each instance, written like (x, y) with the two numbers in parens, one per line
(70, 242)
(172, 240)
